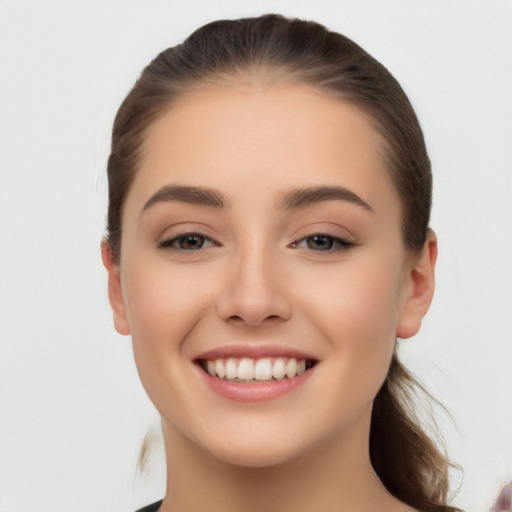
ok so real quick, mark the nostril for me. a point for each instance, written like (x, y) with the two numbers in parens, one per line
(240, 319)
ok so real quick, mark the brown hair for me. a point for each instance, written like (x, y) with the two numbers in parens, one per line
(272, 49)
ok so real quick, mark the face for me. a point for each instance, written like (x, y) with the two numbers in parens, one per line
(263, 229)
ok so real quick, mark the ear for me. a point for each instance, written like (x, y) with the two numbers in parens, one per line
(419, 289)
(115, 293)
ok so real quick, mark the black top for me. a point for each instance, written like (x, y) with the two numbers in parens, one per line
(151, 508)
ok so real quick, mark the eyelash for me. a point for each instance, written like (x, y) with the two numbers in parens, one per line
(173, 243)
(335, 244)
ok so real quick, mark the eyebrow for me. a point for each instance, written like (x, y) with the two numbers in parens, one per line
(293, 200)
(302, 197)
(185, 194)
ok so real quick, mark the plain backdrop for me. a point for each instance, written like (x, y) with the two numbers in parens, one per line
(73, 413)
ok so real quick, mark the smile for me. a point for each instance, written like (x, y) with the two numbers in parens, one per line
(248, 370)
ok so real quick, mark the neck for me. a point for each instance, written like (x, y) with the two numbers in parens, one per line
(336, 476)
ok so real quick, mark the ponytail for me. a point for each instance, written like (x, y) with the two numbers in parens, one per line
(408, 462)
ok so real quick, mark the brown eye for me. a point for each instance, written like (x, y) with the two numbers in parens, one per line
(187, 242)
(320, 242)
(191, 242)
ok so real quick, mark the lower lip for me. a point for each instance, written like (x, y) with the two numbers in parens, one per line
(254, 392)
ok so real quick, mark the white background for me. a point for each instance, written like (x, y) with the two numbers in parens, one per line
(73, 413)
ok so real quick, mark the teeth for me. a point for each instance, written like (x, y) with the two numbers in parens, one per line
(291, 368)
(219, 368)
(279, 368)
(231, 369)
(264, 369)
(246, 369)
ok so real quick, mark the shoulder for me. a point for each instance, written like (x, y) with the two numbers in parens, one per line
(151, 508)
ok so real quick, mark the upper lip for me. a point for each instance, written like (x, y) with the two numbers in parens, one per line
(253, 351)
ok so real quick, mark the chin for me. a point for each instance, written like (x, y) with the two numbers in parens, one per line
(264, 452)
(255, 458)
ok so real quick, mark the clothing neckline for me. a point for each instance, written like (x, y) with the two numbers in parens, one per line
(154, 507)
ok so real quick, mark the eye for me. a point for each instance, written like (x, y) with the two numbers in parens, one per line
(187, 242)
(322, 243)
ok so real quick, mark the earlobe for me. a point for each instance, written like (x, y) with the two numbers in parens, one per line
(115, 293)
(419, 289)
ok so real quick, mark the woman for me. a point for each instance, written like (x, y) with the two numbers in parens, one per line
(267, 243)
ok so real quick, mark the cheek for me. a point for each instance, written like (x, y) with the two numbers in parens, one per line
(358, 298)
(357, 318)
(163, 304)
(356, 311)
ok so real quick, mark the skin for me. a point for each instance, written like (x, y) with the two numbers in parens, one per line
(261, 282)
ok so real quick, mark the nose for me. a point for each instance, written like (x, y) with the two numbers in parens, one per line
(254, 292)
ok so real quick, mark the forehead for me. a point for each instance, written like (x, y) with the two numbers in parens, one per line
(266, 137)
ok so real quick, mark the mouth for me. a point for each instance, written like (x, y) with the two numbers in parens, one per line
(246, 370)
